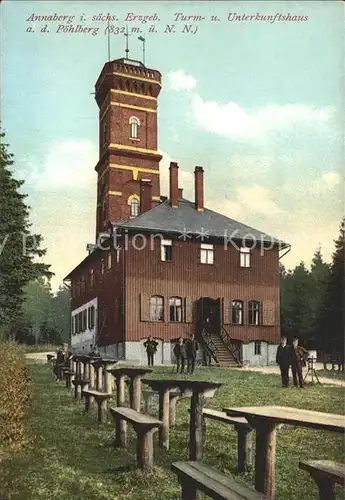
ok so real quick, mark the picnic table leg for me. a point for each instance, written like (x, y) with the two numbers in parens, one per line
(135, 392)
(265, 458)
(326, 487)
(172, 409)
(244, 448)
(144, 448)
(121, 425)
(196, 427)
(92, 383)
(164, 416)
(102, 411)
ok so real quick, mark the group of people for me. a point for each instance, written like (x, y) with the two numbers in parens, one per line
(185, 352)
(296, 357)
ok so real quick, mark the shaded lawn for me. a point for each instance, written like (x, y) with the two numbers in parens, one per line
(72, 457)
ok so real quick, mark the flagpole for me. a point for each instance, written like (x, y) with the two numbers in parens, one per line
(142, 39)
(108, 42)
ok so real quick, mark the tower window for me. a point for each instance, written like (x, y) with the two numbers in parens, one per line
(104, 133)
(134, 125)
(134, 208)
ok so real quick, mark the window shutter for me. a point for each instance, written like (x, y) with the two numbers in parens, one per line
(144, 307)
(268, 313)
(226, 311)
(188, 310)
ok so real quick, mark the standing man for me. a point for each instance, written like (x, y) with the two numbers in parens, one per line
(299, 356)
(283, 359)
(191, 350)
(151, 349)
(180, 355)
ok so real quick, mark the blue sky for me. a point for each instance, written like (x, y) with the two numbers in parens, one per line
(257, 104)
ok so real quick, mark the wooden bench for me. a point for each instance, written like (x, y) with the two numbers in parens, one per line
(326, 474)
(244, 436)
(195, 476)
(144, 426)
(101, 399)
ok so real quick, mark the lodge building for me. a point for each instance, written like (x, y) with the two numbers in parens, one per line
(166, 266)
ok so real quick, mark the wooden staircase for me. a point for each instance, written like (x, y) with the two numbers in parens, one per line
(221, 348)
(224, 356)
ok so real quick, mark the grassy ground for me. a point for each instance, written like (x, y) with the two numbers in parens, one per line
(72, 458)
(338, 375)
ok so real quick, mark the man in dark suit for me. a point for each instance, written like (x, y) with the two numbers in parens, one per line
(299, 356)
(151, 349)
(191, 350)
(283, 359)
(180, 355)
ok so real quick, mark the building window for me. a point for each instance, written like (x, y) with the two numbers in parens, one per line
(206, 254)
(245, 257)
(91, 317)
(109, 260)
(237, 312)
(134, 128)
(166, 250)
(257, 348)
(102, 266)
(104, 210)
(92, 278)
(254, 312)
(156, 308)
(84, 320)
(82, 283)
(134, 208)
(175, 309)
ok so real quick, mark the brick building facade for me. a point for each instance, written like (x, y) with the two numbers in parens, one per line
(166, 266)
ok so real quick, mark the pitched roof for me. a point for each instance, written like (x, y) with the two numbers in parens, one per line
(187, 221)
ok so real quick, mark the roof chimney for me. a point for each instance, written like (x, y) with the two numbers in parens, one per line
(145, 195)
(180, 193)
(173, 184)
(199, 188)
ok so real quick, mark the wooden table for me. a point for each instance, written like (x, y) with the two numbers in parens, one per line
(135, 375)
(101, 366)
(198, 389)
(265, 420)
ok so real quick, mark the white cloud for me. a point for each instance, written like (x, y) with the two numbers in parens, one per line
(252, 201)
(231, 120)
(331, 179)
(179, 80)
(69, 163)
(324, 184)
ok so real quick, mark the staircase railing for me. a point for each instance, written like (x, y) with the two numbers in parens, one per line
(231, 345)
(209, 345)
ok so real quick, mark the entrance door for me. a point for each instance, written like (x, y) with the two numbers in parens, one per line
(209, 313)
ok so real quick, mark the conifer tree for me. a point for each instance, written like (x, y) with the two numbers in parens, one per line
(19, 248)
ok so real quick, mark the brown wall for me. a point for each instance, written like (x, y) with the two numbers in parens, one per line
(185, 277)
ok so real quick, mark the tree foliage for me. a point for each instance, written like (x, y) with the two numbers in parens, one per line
(20, 249)
(312, 300)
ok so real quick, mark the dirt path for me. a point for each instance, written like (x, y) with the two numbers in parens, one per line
(275, 370)
(42, 357)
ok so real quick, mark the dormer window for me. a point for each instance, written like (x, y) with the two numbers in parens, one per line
(134, 125)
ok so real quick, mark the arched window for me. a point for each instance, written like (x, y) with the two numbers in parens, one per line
(134, 207)
(134, 125)
(175, 309)
(237, 312)
(156, 308)
(254, 312)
